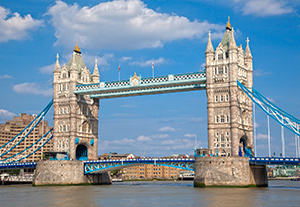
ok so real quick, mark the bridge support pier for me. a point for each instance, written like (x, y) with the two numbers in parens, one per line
(66, 172)
(228, 172)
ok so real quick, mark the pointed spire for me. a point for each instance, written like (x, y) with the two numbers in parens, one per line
(57, 66)
(209, 47)
(96, 75)
(247, 50)
(232, 43)
(96, 71)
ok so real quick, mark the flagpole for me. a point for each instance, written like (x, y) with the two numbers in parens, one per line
(119, 72)
(152, 68)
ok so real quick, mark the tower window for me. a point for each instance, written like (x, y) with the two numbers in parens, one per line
(216, 98)
(220, 70)
(222, 119)
(216, 71)
(227, 97)
(225, 70)
(220, 56)
(221, 98)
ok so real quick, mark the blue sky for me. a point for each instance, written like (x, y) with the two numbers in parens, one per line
(132, 33)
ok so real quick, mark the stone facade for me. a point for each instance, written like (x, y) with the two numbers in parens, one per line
(66, 173)
(228, 171)
(75, 118)
(229, 110)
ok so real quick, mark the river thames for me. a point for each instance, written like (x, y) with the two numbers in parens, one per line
(147, 193)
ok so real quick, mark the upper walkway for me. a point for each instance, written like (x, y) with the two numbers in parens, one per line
(137, 86)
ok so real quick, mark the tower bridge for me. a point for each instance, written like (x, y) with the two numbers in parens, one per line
(228, 82)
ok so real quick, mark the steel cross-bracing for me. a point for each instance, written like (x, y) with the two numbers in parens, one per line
(285, 119)
(144, 86)
(101, 166)
(14, 142)
(31, 149)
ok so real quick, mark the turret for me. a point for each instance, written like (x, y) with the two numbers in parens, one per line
(56, 72)
(96, 76)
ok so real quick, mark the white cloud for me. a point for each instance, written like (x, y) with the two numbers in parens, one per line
(149, 62)
(5, 76)
(124, 59)
(159, 136)
(143, 138)
(260, 72)
(32, 88)
(15, 27)
(48, 69)
(167, 129)
(5, 115)
(122, 24)
(262, 136)
(264, 8)
(190, 135)
(197, 119)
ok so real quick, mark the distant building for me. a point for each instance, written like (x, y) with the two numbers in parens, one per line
(286, 171)
(13, 127)
(151, 172)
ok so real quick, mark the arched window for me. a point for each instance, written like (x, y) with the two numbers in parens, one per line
(222, 118)
(227, 97)
(216, 98)
(221, 98)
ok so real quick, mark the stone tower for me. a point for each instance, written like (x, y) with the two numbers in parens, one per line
(230, 126)
(75, 118)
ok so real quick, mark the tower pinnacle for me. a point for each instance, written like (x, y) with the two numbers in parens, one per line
(209, 47)
(228, 26)
(77, 49)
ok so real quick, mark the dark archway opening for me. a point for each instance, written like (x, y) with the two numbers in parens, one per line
(81, 152)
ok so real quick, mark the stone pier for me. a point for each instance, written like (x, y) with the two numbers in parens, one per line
(229, 172)
(66, 172)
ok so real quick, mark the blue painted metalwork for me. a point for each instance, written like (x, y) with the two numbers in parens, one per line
(14, 142)
(20, 165)
(146, 86)
(81, 152)
(100, 166)
(76, 140)
(274, 161)
(30, 150)
(92, 142)
(283, 118)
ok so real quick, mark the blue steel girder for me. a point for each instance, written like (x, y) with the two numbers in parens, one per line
(146, 86)
(100, 166)
(274, 161)
(283, 118)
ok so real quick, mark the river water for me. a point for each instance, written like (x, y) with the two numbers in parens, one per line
(151, 193)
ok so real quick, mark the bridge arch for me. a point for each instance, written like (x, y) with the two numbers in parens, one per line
(81, 152)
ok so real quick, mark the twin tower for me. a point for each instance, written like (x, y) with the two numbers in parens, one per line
(230, 125)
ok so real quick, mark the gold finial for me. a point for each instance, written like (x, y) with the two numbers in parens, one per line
(76, 48)
(228, 24)
(135, 76)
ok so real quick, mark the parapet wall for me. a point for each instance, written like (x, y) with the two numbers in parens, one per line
(228, 171)
(66, 172)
